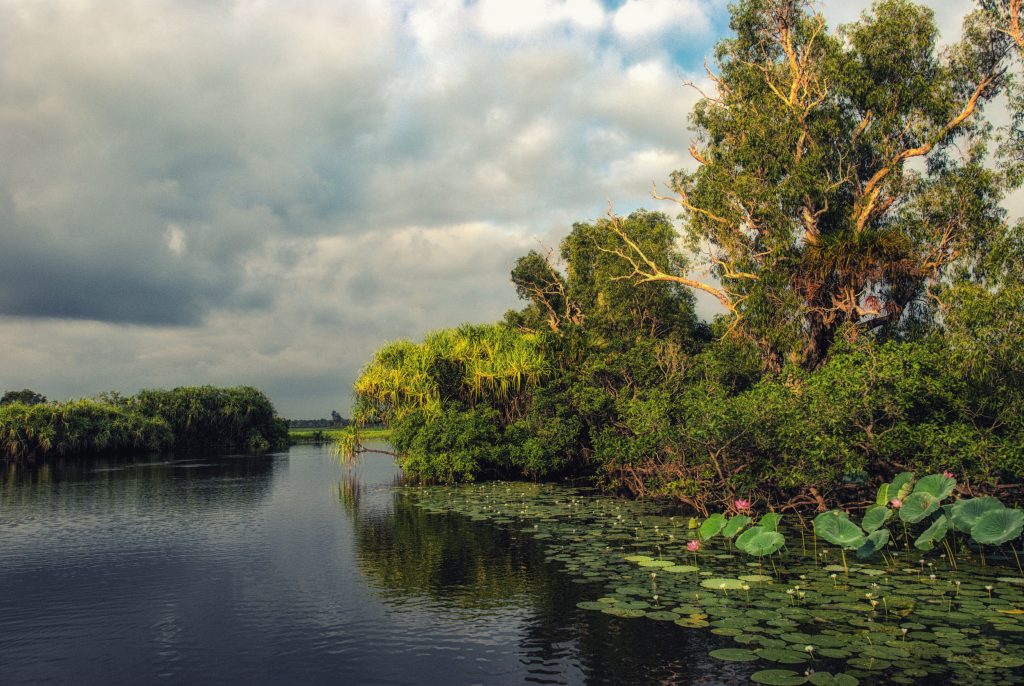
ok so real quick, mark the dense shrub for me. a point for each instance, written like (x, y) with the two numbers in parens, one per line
(77, 427)
(184, 418)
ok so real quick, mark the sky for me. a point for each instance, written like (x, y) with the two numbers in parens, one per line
(264, 192)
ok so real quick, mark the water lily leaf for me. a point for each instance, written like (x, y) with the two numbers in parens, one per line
(826, 679)
(966, 512)
(778, 677)
(711, 526)
(836, 528)
(763, 543)
(873, 543)
(722, 584)
(996, 527)
(770, 521)
(934, 533)
(783, 655)
(875, 517)
(935, 485)
(917, 506)
(734, 654)
(735, 525)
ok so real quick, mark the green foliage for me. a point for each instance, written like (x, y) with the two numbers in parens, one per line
(184, 418)
(850, 212)
(77, 427)
(836, 528)
(26, 396)
(239, 417)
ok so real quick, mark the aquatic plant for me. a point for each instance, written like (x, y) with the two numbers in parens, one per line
(902, 623)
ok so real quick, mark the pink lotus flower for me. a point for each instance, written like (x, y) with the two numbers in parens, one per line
(896, 502)
(693, 546)
(742, 505)
(948, 475)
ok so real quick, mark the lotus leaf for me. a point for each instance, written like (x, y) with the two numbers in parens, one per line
(996, 527)
(764, 543)
(837, 529)
(917, 506)
(876, 516)
(711, 526)
(722, 584)
(735, 525)
(900, 486)
(747, 535)
(883, 495)
(966, 512)
(770, 521)
(873, 543)
(935, 485)
(935, 532)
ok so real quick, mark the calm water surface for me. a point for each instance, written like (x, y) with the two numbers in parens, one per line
(289, 569)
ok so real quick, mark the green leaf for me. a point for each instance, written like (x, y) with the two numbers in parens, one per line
(735, 525)
(770, 521)
(901, 485)
(936, 485)
(883, 495)
(966, 512)
(778, 677)
(873, 543)
(763, 543)
(996, 527)
(876, 516)
(935, 532)
(748, 535)
(710, 527)
(917, 506)
(826, 679)
(836, 528)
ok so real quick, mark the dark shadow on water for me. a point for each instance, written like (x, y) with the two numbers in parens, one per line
(456, 567)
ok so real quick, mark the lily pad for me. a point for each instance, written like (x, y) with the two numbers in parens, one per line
(722, 584)
(778, 677)
(734, 655)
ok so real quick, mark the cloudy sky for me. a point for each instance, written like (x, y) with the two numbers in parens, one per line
(264, 191)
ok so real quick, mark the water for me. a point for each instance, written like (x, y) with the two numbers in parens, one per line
(288, 569)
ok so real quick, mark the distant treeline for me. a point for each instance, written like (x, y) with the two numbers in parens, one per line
(185, 418)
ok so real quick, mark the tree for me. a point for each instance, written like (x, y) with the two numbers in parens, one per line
(26, 396)
(840, 176)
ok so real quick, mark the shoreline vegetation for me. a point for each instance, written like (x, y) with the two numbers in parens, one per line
(845, 212)
(183, 419)
(333, 435)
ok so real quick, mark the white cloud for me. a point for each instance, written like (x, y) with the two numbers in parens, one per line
(646, 19)
(501, 18)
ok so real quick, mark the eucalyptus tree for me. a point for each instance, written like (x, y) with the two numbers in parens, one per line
(839, 176)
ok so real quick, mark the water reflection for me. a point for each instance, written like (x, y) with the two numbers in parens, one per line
(490, 578)
(290, 569)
